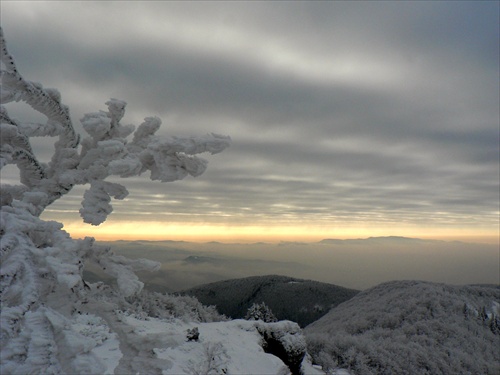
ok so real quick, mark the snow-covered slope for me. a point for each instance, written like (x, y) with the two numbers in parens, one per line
(131, 342)
(153, 334)
(412, 327)
(128, 344)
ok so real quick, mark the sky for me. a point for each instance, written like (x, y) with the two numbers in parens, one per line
(347, 119)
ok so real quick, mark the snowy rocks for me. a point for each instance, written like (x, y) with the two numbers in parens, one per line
(193, 334)
(285, 340)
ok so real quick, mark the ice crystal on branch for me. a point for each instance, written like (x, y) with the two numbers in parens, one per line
(41, 285)
(105, 152)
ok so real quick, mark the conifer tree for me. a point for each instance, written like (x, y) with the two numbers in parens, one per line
(260, 311)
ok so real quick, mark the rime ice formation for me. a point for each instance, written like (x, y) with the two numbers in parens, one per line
(104, 152)
(52, 321)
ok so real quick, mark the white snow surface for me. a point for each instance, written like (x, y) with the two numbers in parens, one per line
(125, 343)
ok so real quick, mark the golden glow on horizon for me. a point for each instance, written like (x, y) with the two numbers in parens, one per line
(193, 232)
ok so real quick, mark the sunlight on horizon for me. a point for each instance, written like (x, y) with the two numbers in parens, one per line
(194, 232)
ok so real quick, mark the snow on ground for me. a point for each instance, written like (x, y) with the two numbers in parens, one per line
(107, 345)
(129, 344)
(233, 346)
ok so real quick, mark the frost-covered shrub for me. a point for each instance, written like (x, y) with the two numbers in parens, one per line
(285, 340)
(41, 285)
(157, 305)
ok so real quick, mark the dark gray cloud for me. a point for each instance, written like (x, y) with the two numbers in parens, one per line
(379, 111)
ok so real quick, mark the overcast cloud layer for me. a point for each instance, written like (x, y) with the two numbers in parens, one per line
(381, 112)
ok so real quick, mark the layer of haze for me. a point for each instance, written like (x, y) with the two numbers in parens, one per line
(355, 264)
(348, 119)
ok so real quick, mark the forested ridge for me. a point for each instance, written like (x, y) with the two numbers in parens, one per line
(412, 327)
(302, 301)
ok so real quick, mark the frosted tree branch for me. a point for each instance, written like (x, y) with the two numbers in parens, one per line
(105, 152)
(41, 273)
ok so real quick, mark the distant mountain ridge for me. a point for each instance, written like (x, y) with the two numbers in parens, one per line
(382, 239)
(324, 240)
(302, 301)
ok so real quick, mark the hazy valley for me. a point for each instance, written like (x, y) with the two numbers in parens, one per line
(355, 264)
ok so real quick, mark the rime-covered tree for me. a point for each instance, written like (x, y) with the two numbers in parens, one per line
(41, 281)
(260, 311)
(410, 327)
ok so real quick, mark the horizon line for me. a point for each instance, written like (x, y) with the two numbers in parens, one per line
(469, 239)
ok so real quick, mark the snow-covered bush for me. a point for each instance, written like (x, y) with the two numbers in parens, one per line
(41, 281)
(285, 340)
(157, 305)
